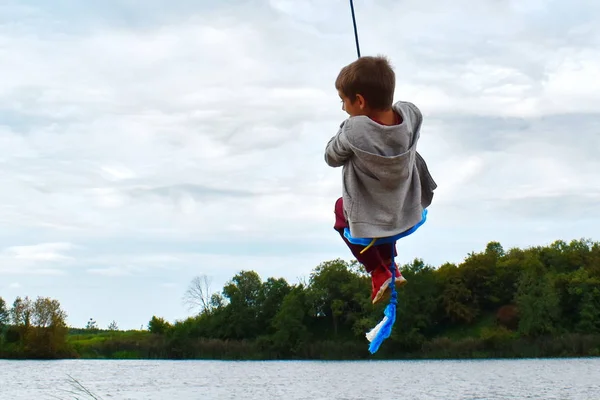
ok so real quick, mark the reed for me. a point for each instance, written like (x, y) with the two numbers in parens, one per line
(77, 390)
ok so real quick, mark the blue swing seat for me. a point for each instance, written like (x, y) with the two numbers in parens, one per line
(384, 240)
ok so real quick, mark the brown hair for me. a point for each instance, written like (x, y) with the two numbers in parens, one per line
(371, 77)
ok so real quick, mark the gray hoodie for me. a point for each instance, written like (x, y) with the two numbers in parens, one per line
(386, 183)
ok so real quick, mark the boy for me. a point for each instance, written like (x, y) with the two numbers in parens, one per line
(386, 183)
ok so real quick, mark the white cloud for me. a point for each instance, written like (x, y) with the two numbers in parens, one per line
(40, 252)
(38, 259)
(190, 138)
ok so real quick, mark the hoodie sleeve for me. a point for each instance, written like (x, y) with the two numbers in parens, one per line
(338, 149)
(418, 116)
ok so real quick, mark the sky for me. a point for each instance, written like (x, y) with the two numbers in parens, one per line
(146, 143)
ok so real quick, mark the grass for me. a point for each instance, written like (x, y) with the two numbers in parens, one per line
(112, 344)
(100, 336)
(78, 390)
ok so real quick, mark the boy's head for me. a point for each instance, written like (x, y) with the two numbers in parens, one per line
(367, 85)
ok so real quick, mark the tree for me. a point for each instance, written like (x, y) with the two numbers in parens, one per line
(536, 299)
(47, 337)
(241, 314)
(198, 295)
(495, 249)
(508, 271)
(589, 316)
(113, 326)
(456, 298)
(339, 294)
(91, 325)
(21, 312)
(47, 313)
(478, 273)
(20, 315)
(217, 301)
(39, 327)
(580, 301)
(289, 324)
(4, 313)
(419, 309)
(158, 325)
(271, 295)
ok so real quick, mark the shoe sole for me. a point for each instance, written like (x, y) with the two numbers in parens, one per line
(386, 294)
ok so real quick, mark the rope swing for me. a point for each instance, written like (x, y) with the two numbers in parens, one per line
(355, 30)
(383, 329)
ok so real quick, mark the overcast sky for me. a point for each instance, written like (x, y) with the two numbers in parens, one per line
(145, 143)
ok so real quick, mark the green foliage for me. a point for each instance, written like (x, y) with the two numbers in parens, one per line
(243, 294)
(158, 325)
(290, 324)
(38, 329)
(488, 304)
(536, 299)
(419, 311)
(4, 313)
(539, 301)
(339, 296)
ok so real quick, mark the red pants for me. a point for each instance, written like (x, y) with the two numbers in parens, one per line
(375, 256)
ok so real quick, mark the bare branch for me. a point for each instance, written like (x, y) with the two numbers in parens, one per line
(198, 295)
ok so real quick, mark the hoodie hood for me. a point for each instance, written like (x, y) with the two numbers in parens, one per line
(386, 153)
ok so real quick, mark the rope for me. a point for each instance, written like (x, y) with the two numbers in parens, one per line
(383, 329)
(355, 30)
(394, 298)
(369, 246)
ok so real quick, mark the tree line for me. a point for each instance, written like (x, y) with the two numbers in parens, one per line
(539, 301)
(33, 328)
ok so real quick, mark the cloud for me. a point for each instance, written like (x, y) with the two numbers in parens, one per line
(38, 259)
(40, 252)
(145, 145)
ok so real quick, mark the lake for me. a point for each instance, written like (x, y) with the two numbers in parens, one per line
(290, 380)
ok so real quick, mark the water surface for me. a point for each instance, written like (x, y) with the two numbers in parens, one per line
(294, 380)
